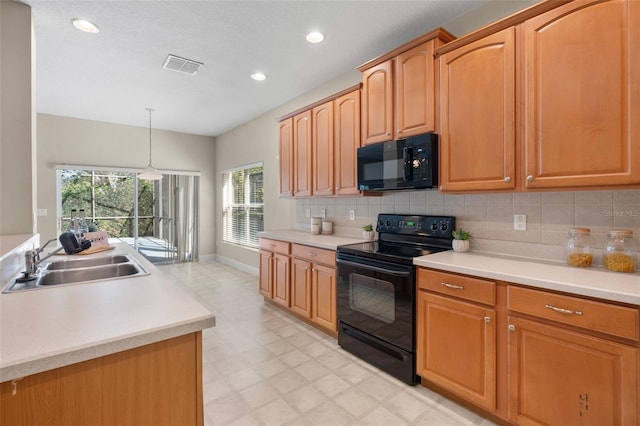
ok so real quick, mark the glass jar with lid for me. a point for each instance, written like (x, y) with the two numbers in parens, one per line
(620, 251)
(579, 247)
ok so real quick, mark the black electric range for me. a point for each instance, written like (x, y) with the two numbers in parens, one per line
(376, 297)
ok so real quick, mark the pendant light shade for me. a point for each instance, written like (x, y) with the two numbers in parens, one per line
(150, 172)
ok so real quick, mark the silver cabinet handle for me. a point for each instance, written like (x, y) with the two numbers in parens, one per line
(530, 178)
(563, 311)
(306, 268)
(310, 254)
(511, 327)
(487, 319)
(507, 179)
(453, 286)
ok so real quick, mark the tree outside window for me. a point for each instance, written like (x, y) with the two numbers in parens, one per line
(243, 201)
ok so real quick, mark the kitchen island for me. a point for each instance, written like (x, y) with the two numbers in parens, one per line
(121, 351)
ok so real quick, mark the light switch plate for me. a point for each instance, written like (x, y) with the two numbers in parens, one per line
(519, 222)
(352, 215)
(308, 213)
(323, 212)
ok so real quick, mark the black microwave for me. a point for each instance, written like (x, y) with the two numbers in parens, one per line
(410, 163)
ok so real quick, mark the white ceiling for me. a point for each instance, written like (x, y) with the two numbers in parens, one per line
(113, 75)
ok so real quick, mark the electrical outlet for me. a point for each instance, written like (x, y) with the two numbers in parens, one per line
(519, 222)
(308, 213)
(323, 212)
(42, 212)
(352, 215)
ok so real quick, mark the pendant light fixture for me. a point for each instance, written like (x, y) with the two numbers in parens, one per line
(150, 173)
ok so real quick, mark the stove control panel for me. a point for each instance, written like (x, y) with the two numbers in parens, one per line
(436, 226)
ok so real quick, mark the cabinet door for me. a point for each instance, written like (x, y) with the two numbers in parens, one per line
(456, 347)
(346, 121)
(582, 95)
(477, 113)
(301, 287)
(322, 137)
(265, 278)
(281, 279)
(559, 377)
(415, 91)
(377, 103)
(286, 158)
(324, 297)
(302, 154)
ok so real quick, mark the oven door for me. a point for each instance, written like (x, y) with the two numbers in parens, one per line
(377, 298)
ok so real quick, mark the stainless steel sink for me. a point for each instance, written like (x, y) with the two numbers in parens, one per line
(76, 271)
(69, 276)
(86, 263)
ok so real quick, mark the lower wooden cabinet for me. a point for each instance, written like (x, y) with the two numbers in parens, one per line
(528, 356)
(559, 377)
(305, 282)
(157, 384)
(275, 273)
(457, 347)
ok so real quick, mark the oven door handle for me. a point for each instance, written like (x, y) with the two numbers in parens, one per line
(375, 268)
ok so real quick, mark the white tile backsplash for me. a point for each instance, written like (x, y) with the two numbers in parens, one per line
(490, 216)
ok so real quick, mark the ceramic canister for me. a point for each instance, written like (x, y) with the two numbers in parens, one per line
(316, 225)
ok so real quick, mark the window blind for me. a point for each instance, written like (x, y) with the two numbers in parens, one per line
(243, 205)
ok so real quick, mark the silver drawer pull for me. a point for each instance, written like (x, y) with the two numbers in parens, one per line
(312, 254)
(562, 310)
(453, 286)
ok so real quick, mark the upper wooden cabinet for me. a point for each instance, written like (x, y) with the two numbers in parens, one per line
(582, 95)
(286, 157)
(544, 99)
(302, 162)
(346, 124)
(322, 142)
(377, 103)
(324, 139)
(477, 112)
(398, 90)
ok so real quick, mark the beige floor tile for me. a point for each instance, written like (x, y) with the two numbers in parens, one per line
(264, 367)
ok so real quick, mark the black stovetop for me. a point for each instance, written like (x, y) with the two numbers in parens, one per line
(403, 237)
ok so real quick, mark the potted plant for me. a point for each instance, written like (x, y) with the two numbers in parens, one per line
(368, 232)
(461, 240)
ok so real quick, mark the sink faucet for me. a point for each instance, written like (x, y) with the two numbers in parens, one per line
(32, 258)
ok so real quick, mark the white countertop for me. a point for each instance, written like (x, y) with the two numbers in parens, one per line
(330, 242)
(593, 281)
(50, 328)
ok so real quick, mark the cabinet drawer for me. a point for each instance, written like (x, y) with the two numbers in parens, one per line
(475, 289)
(315, 255)
(607, 318)
(282, 247)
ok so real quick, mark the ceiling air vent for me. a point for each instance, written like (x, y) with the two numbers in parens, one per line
(185, 66)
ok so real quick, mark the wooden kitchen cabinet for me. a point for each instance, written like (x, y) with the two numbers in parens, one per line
(456, 336)
(324, 138)
(322, 143)
(346, 120)
(302, 155)
(543, 99)
(275, 273)
(564, 367)
(582, 95)
(559, 377)
(156, 384)
(399, 90)
(477, 113)
(301, 287)
(286, 157)
(318, 291)
(377, 103)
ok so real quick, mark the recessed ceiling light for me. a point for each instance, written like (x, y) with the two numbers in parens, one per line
(315, 37)
(84, 25)
(259, 76)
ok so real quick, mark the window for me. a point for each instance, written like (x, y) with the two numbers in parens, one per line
(243, 203)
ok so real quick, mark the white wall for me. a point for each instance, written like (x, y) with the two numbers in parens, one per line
(64, 140)
(17, 119)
